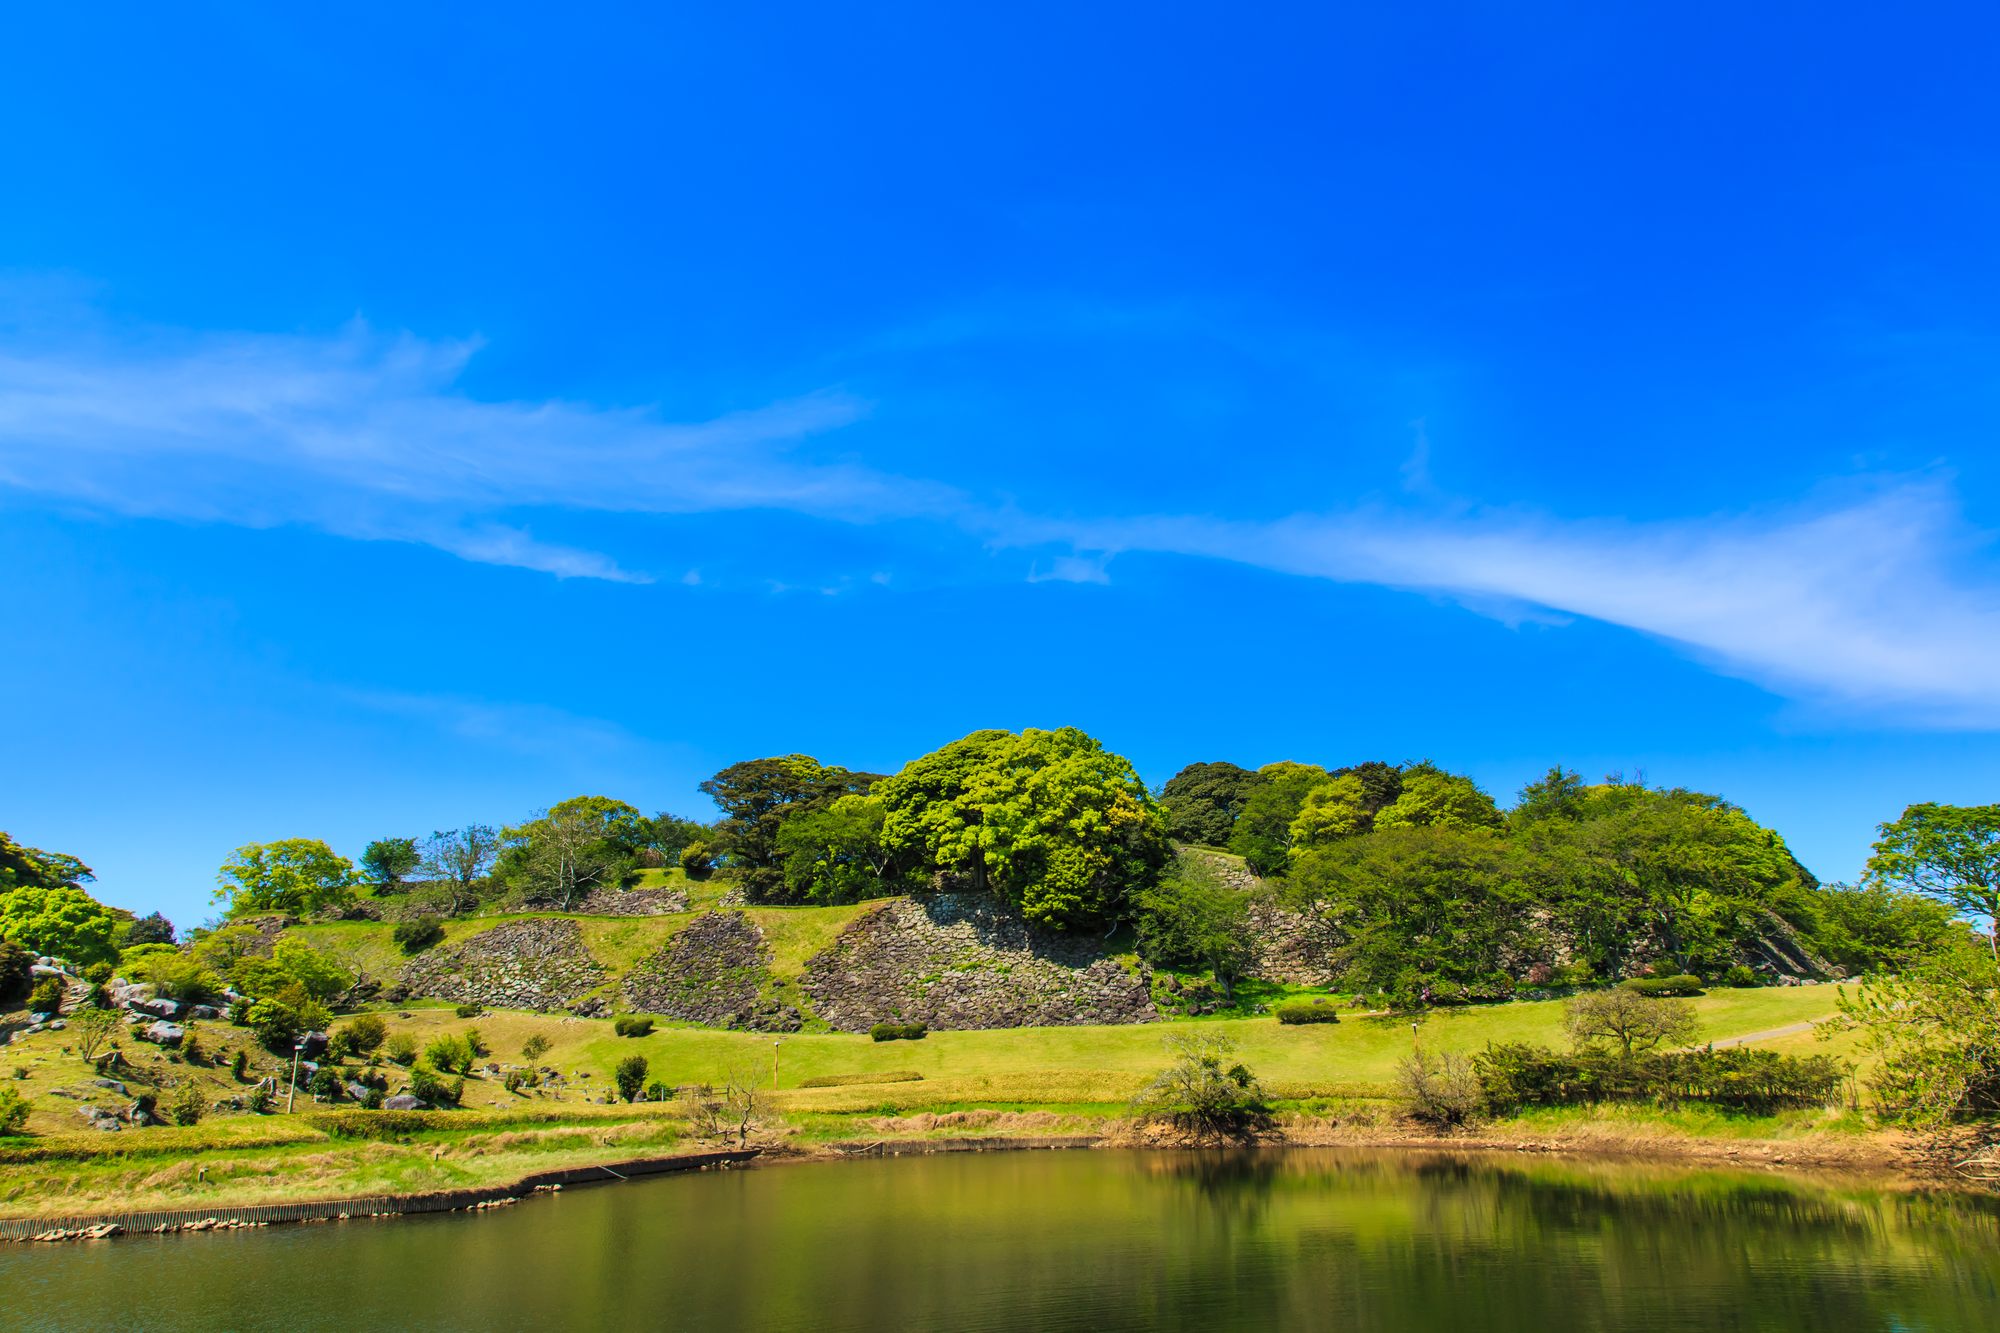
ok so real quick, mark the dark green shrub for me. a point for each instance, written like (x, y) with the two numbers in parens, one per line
(427, 1086)
(326, 1084)
(630, 1075)
(473, 1010)
(1306, 1011)
(898, 1032)
(97, 973)
(448, 1054)
(373, 1100)
(260, 1099)
(189, 1105)
(1740, 977)
(632, 1025)
(17, 972)
(240, 1063)
(239, 1013)
(13, 1111)
(659, 1092)
(1657, 986)
(402, 1048)
(1515, 1075)
(366, 1033)
(46, 997)
(418, 935)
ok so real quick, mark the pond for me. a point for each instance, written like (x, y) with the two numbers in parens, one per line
(1097, 1242)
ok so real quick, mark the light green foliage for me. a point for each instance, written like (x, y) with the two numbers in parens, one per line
(1193, 916)
(293, 962)
(574, 846)
(1049, 820)
(1636, 1022)
(1936, 1028)
(449, 1054)
(534, 1048)
(1263, 832)
(176, 975)
(280, 1018)
(1433, 799)
(1205, 1093)
(838, 854)
(1873, 926)
(1947, 852)
(297, 875)
(14, 1110)
(402, 1048)
(366, 1033)
(1331, 811)
(129, 960)
(91, 1029)
(59, 920)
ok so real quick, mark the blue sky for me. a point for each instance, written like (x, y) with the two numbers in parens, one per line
(412, 415)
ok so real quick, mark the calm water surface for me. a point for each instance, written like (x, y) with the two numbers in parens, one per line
(1093, 1241)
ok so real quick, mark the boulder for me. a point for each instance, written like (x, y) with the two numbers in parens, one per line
(312, 1045)
(111, 1083)
(159, 1008)
(166, 1034)
(358, 1091)
(207, 1013)
(406, 1103)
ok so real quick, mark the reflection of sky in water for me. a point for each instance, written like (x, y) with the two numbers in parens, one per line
(1091, 1241)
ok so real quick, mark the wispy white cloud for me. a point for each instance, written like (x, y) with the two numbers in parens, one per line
(1870, 599)
(365, 435)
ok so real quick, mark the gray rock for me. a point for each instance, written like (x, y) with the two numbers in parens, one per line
(312, 1045)
(113, 1084)
(159, 1008)
(208, 1013)
(358, 1091)
(58, 1025)
(166, 1034)
(406, 1103)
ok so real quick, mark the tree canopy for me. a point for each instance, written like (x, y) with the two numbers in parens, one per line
(756, 798)
(297, 875)
(43, 905)
(1203, 801)
(1048, 820)
(1950, 853)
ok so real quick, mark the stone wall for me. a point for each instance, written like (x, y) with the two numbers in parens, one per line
(633, 902)
(956, 961)
(539, 964)
(718, 972)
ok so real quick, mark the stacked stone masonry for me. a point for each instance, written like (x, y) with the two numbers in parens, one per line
(960, 961)
(538, 964)
(714, 973)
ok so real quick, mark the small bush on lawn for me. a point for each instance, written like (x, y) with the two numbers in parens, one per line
(1740, 977)
(47, 996)
(418, 935)
(630, 1075)
(260, 1099)
(898, 1032)
(189, 1105)
(326, 1085)
(13, 1111)
(364, 1034)
(449, 1055)
(425, 1085)
(632, 1025)
(402, 1048)
(473, 1010)
(1306, 1011)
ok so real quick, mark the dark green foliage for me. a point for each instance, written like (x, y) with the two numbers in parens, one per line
(632, 1025)
(239, 1013)
(1872, 928)
(417, 935)
(427, 1086)
(1306, 1011)
(1204, 800)
(260, 1100)
(1680, 985)
(372, 1099)
(150, 929)
(1191, 916)
(1262, 835)
(239, 1063)
(46, 997)
(836, 854)
(897, 1032)
(470, 1010)
(17, 975)
(388, 860)
(1741, 977)
(326, 1084)
(756, 798)
(98, 973)
(630, 1076)
(366, 1033)
(1515, 1075)
(669, 834)
(1558, 794)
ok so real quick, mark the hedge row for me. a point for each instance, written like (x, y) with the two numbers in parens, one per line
(1514, 1075)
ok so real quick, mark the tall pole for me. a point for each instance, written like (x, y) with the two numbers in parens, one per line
(293, 1090)
(774, 1062)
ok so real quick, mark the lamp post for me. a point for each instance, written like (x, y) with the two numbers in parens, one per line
(774, 1062)
(293, 1089)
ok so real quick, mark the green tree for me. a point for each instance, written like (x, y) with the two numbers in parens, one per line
(1636, 1022)
(1203, 801)
(1947, 852)
(1048, 820)
(838, 854)
(1870, 927)
(1559, 793)
(26, 867)
(293, 962)
(59, 920)
(560, 855)
(1936, 1029)
(1434, 799)
(1193, 916)
(1204, 1093)
(149, 929)
(456, 862)
(1263, 832)
(388, 860)
(630, 1076)
(1331, 811)
(297, 875)
(757, 798)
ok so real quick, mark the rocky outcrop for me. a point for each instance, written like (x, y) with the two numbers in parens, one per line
(957, 961)
(633, 902)
(717, 972)
(538, 964)
(1296, 948)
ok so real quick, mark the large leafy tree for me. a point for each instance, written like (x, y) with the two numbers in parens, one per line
(43, 905)
(388, 860)
(297, 875)
(562, 853)
(1049, 820)
(1432, 798)
(1191, 915)
(456, 862)
(1204, 800)
(1950, 853)
(839, 854)
(1263, 833)
(756, 798)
